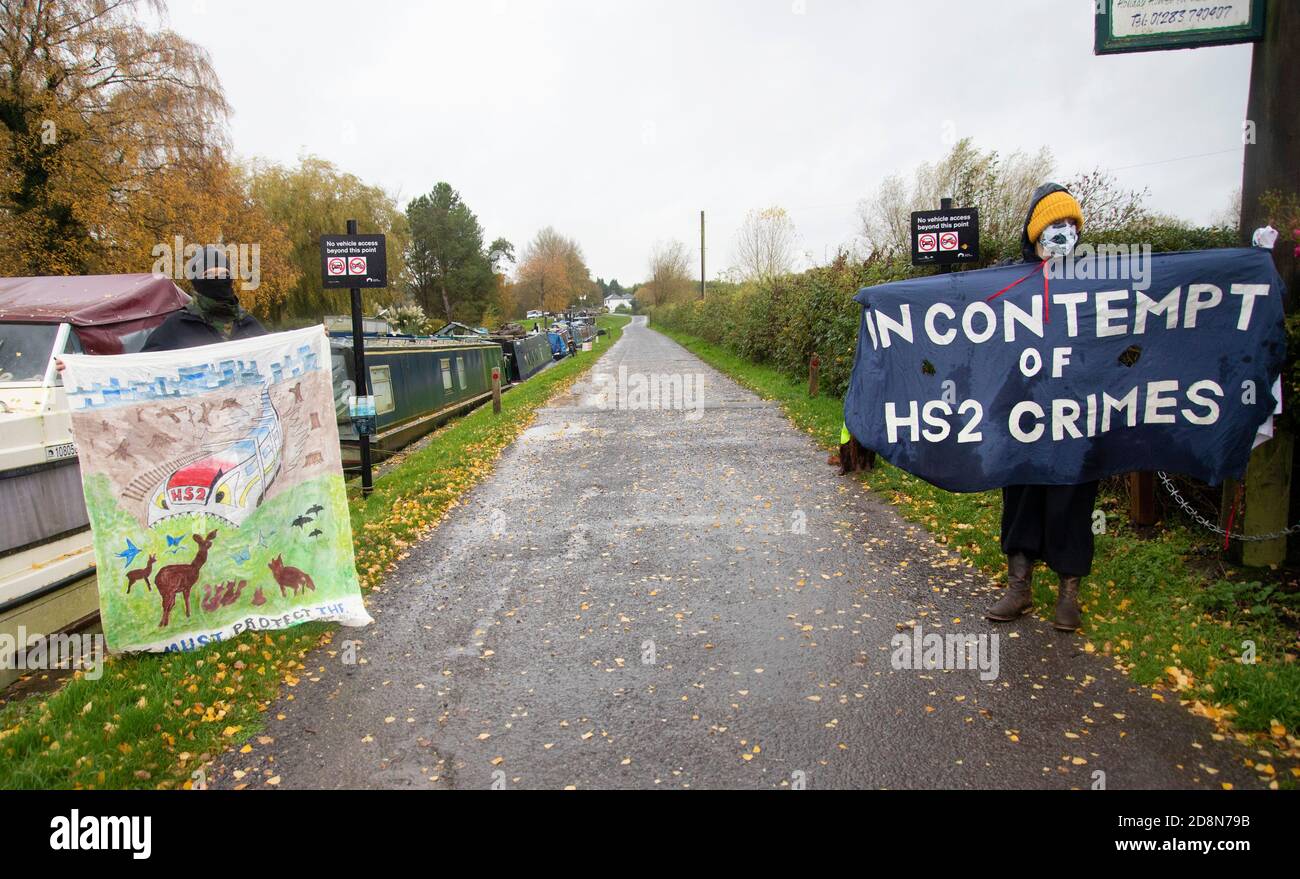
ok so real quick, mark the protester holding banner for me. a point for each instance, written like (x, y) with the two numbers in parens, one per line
(1042, 377)
(1048, 522)
(213, 315)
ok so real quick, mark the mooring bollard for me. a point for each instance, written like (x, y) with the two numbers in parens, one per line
(496, 390)
(814, 368)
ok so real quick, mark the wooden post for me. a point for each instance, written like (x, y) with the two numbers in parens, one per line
(814, 369)
(496, 390)
(1142, 498)
(1273, 115)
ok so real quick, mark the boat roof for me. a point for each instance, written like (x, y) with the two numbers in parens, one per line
(88, 300)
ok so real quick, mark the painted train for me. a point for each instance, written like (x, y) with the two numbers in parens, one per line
(47, 568)
(232, 480)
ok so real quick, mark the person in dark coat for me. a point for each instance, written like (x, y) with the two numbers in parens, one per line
(1051, 523)
(212, 315)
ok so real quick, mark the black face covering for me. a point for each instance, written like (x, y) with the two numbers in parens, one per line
(217, 289)
(215, 298)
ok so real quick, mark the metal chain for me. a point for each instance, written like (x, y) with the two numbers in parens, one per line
(1206, 523)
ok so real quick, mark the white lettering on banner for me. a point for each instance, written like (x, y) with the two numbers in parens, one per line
(967, 324)
(1156, 402)
(1060, 360)
(1200, 297)
(902, 327)
(1106, 314)
(980, 321)
(946, 337)
(1247, 292)
(1167, 306)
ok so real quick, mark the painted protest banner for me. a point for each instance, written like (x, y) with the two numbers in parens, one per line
(214, 485)
(1106, 363)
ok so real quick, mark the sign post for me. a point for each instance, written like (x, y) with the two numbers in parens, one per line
(355, 261)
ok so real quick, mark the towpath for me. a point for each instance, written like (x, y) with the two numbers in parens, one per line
(693, 598)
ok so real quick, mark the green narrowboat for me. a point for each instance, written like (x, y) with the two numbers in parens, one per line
(418, 383)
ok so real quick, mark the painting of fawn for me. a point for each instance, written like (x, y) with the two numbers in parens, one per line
(181, 578)
(140, 574)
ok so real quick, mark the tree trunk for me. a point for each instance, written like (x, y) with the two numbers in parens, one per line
(446, 303)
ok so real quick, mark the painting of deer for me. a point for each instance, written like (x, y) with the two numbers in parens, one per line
(140, 574)
(288, 576)
(175, 579)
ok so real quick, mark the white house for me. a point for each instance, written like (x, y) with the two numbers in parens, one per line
(613, 303)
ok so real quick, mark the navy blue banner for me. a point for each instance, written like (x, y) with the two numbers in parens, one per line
(1105, 363)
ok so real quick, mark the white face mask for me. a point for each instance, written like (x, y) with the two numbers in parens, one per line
(1059, 239)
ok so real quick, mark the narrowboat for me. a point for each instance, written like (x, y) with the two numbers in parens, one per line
(525, 354)
(418, 384)
(47, 563)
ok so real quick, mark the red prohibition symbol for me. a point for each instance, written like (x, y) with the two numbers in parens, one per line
(335, 265)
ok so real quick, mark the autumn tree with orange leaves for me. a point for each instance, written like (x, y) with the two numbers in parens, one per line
(113, 142)
(553, 274)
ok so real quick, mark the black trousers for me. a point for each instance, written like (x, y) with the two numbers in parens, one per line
(1052, 523)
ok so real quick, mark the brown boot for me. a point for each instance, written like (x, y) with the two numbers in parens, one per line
(1067, 605)
(1019, 597)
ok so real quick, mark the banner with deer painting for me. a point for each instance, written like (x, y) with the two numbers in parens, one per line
(215, 490)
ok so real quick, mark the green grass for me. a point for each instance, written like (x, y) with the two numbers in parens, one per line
(153, 720)
(1152, 604)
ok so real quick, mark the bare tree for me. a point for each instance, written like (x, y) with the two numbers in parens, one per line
(670, 275)
(999, 186)
(766, 245)
(1105, 204)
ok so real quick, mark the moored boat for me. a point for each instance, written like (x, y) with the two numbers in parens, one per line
(47, 568)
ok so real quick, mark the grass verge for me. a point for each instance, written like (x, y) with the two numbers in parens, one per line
(1165, 609)
(154, 720)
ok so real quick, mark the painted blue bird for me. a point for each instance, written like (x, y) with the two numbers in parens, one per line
(174, 543)
(128, 555)
(242, 556)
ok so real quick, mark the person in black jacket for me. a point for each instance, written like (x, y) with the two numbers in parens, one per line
(212, 315)
(1048, 522)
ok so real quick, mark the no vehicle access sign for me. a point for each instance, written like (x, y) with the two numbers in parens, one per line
(354, 261)
(945, 237)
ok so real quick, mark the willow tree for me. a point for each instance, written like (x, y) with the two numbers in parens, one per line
(100, 117)
(315, 198)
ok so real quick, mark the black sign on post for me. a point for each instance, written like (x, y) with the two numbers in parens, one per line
(355, 261)
(945, 237)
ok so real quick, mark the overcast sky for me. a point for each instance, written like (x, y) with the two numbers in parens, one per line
(617, 122)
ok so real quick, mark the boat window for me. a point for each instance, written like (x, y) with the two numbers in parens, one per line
(381, 385)
(25, 351)
(460, 373)
(446, 375)
(71, 346)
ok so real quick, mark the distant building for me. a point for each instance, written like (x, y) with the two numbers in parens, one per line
(614, 303)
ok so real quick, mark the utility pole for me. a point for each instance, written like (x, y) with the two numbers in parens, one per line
(701, 254)
(1272, 164)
